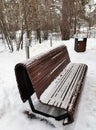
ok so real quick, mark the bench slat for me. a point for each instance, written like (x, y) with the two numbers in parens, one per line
(67, 84)
(62, 80)
(73, 86)
(79, 87)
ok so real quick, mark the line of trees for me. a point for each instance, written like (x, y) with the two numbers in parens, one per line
(41, 16)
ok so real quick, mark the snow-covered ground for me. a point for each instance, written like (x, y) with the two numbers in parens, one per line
(12, 109)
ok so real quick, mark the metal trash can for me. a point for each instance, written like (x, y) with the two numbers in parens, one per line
(80, 44)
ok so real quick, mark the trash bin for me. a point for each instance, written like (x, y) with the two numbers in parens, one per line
(80, 44)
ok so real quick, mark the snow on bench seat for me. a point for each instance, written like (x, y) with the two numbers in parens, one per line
(63, 90)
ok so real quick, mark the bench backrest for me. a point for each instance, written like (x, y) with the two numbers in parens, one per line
(36, 75)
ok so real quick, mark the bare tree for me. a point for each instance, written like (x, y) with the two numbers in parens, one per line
(36, 20)
(4, 24)
(45, 16)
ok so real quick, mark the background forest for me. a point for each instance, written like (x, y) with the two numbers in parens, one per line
(44, 18)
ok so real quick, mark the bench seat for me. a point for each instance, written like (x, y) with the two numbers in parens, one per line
(63, 90)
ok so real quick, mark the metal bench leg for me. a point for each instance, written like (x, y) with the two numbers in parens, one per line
(68, 120)
(63, 116)
(36, 111)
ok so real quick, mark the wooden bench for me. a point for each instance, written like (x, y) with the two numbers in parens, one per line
(56, 81)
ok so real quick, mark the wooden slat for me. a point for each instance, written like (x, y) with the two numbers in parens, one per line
(44, 58)
(78, 88)
(58, 99)
(73, 86)
(47, 68)
(68, 84)
(42, 64)
(62, 80)
(57, 87)
(45, 63)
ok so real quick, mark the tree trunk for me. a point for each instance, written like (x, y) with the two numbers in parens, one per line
(75, 15)
(65, 32)
(65, 24)
(38, 34)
